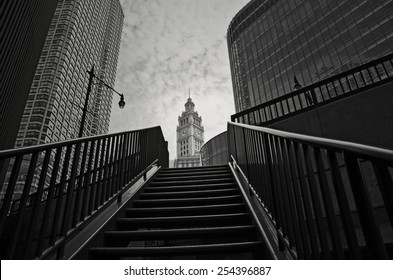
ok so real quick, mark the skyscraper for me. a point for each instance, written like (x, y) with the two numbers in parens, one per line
(190, 137)
(273, 43)
(82, 34)
(23, 29)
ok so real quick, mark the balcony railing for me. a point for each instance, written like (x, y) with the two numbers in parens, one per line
(51, 191)
(345, 84)
(327, 199)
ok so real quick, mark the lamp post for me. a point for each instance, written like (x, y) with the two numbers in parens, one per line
(91, 76)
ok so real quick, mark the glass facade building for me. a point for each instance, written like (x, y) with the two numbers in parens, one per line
(24, 25)
(272, 43)
(215, 151)
(81, 34)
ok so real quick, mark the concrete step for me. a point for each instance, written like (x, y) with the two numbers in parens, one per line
(187, 201)
(191, 177)
(183, 221)
(194, 173)
(195, 169)
(189, 194)
(185, 210)
(198, 181)
(159, 188)
(123, 238)
(108, 253)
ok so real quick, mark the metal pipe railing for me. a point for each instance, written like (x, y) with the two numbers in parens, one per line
(50, 191)
(328, 199)
(356, 80)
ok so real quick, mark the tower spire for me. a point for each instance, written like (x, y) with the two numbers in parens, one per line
(189, 93)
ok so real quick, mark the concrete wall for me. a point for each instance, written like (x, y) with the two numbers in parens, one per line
(365, 118)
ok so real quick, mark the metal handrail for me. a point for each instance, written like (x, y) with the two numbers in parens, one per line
(76, 180)
(327, 143)
(328, 199)
(42, 147)
(350, 82)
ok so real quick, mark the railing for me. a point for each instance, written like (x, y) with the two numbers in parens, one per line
(327, 199)
(51, 191)
(345, 84)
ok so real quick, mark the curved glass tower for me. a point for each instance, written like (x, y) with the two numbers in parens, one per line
(274, 43)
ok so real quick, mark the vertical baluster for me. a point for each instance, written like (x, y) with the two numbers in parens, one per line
(34, 215)
(356, 81)
(307, 203)
(22, 207)
(273, 190)
(98, 198)
(107, 166)
(59, 201)
(247, 169)
(260, 117)
(258, 166)
(119, 143)
(306, 250)
(376, 70)
(277, 184)
(282, 109)
(281, 186)
(123, 163)
(143, 150)
(266, 186)
(364, 80)
(327, 198)
(317, 204)
(87, 184)
(349, 229)
(369, 74)
(134, 143)
(80, 189)
(385, 70)
(9, 192)
(290, 198)
(49, 202)
(254, 173)
(93, 189)
(68, 209)
(364, 207)
(130, 164)
(385, 185)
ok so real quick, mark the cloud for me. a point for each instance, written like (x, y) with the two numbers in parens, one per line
(167, 48)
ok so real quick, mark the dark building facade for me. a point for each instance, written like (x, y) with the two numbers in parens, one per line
(81, 35)
(23, 29)
(275, 43)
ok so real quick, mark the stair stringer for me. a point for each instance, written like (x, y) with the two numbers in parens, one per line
(265, 230)
(98, 236)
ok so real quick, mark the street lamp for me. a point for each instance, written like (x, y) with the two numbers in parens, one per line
(91, 76)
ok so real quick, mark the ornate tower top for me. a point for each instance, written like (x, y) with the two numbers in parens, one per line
(189, 105)
(190, 136)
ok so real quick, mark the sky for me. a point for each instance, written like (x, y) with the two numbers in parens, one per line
(168, 48)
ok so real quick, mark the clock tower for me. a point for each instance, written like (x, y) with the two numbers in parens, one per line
(189, 137)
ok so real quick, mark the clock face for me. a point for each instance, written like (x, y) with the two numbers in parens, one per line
(198, 132)
(184, 132)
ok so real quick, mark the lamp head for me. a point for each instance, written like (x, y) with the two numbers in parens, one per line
(121, 102)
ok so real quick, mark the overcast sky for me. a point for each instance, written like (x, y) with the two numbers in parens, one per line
(167, 48)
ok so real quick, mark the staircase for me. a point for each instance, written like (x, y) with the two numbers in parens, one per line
(185, 213)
